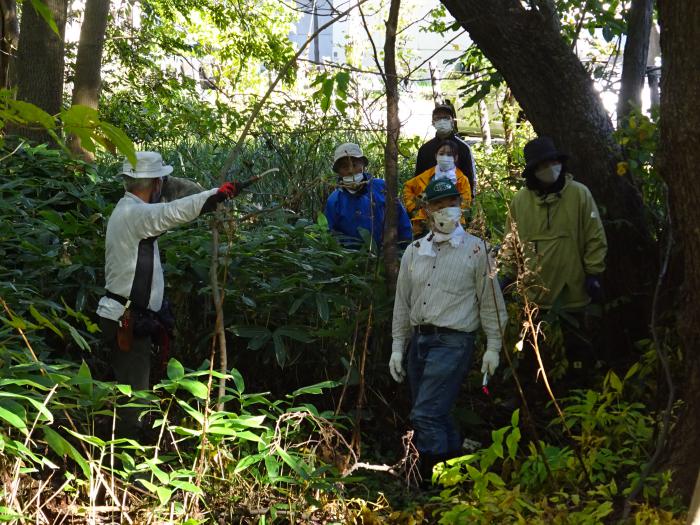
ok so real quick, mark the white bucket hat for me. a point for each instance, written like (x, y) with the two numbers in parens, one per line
(348, 150)
(149, 165)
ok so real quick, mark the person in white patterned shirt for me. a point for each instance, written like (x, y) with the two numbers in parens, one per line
(446, 289)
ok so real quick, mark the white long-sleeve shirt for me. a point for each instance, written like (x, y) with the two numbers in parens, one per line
(455, 288)
(132, 221)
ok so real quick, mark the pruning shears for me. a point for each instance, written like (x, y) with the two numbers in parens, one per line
(249, 182)
(484, 384)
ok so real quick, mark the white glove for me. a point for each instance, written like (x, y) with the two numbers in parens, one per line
(396, 366)
(490, 361)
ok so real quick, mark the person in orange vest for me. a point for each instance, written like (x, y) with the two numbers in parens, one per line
(446, 159)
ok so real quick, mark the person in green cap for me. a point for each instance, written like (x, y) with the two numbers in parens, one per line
(446, 289)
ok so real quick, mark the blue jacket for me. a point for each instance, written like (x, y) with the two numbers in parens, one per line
(346, 212)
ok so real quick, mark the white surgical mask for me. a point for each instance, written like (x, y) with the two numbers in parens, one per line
(443, 126)
(357, 177)
(446, 162)
(446, 219)
(549, 175)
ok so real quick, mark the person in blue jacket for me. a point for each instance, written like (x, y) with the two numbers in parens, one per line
(359, 201)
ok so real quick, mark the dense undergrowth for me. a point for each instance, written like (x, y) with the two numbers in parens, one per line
(297, 311)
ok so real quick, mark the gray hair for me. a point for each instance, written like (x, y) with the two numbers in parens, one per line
(132, 184)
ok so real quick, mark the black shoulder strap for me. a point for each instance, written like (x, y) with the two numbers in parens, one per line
(143, 275)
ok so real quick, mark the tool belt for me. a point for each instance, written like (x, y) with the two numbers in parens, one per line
(139, 322)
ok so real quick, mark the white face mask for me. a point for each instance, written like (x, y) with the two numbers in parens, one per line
(446, 219)
(549, 175)
(357, 177)
(446, 162)
(443, 126)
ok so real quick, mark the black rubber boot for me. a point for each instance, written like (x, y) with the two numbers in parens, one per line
(425, 469)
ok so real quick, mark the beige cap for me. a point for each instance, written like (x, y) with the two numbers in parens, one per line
(348, 150)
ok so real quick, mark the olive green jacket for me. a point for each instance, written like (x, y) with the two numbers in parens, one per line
(563, 242)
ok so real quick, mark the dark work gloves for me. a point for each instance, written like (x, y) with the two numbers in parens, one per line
(226, 191)
(594, 289)
(504, 281)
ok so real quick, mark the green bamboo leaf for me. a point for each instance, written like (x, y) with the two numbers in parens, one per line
(84, 379)
(315, 389)
(187, 487)
(44, 321)
(296, 333)
(280, 350)
(44, 12)
(322, 306)
(246, 462)
(63, 448)
(13, 419)
(289, 460)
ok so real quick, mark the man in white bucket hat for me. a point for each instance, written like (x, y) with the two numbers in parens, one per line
(134, 276)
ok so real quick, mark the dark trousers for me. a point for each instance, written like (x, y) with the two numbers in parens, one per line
(131, 368)
(578, 349)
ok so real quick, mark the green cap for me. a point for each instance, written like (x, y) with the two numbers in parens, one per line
(439, 188)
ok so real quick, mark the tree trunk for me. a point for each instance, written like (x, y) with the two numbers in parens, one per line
(678, 161)
(391, 150)
(40, 61)
(559, 99)
(485, 125)
(634, 61)
(88, 64)
(9, 36)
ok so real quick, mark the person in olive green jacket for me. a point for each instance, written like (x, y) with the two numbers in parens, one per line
(564, 245)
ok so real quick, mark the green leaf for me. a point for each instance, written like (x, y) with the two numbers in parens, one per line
(44, 12)
(187, 487)
(322, 306)
(289, 460)
(197, 389)
(280, 350)
(238, 380)
(120, 140)
(175, 369)
(84, 379)
(342, 79)
(43, 321)
(163, 493)
(125, 389)
(615, 382)
(515, 417)
(296, 333)
(315, 389)
(273, 467)
(13, 419)
(246, 462)
(259, 335)
(512, 443)
(322, 221)
(63, 448)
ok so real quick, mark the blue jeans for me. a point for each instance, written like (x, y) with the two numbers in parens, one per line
(437, 364)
